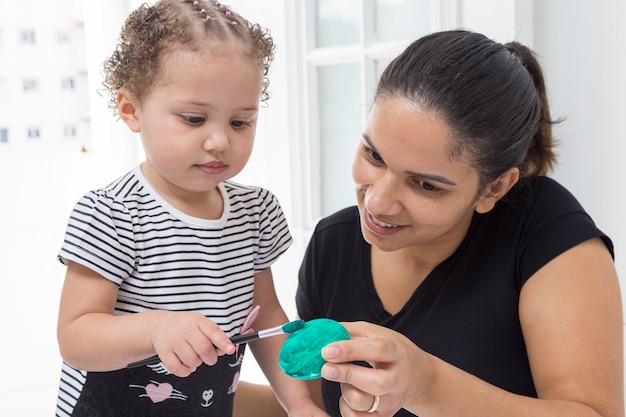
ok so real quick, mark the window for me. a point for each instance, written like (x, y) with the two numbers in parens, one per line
(64, 36)
(27, 36)
(67, 83)
(30, 84)
(69, 131)
(4, 135)
(347, 45)
(33, 133)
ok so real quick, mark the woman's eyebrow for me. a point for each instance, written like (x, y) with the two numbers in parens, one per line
(369, 142)
(431, 177)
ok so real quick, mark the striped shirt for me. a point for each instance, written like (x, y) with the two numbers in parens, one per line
(164, 259)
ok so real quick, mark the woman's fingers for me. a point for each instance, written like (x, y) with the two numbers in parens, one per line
(381, 389)
(359, 400)
(368, 343)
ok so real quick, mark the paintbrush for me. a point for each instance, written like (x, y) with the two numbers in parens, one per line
(289, 327)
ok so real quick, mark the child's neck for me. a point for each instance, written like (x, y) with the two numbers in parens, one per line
(203, 205)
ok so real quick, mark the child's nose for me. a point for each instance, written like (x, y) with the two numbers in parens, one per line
(216, 140)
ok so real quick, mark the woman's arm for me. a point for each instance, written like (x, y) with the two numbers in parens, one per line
(571, 315)
(572, 321)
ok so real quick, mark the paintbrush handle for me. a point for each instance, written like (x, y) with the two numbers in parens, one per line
(237, 340)
(152, 360)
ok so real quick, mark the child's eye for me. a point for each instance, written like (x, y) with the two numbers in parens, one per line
(239, 123)
(193, 120)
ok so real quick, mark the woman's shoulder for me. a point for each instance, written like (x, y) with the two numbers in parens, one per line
(542, 194)
(348, 215)
(344, 218)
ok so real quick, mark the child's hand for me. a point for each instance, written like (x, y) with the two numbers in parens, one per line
(184, 340)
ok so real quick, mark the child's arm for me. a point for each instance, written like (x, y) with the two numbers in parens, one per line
(91, 338)
(292, 393)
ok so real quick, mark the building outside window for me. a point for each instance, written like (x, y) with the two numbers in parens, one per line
(69, 131)
(30, 84)
(33, 133)
(27, 36)
(64, 36)
(67, 83)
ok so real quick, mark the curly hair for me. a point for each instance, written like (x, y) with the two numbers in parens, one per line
(152, 30)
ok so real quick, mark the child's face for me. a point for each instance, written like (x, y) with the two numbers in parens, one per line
(198, 121)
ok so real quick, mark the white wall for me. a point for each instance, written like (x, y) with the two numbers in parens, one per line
(581, 44)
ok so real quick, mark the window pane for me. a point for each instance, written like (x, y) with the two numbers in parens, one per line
(4, 135)
(402, 19)
(33, 133)
(336, 23)
(340, 130)
(27, 36)
(30, 84)
(380, 65)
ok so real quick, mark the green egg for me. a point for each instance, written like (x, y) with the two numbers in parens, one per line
(301, 354)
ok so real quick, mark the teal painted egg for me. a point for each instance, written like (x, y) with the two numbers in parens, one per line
(301, 354)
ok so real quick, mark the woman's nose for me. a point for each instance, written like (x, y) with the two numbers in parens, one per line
(383, 196)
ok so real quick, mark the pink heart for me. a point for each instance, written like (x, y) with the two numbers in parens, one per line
(158, 393)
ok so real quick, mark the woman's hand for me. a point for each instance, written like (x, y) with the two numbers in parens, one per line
(386, 387)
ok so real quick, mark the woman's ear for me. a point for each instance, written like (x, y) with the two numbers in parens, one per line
(496, 190)
(127, 109)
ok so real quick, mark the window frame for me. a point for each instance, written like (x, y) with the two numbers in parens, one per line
(304, 61)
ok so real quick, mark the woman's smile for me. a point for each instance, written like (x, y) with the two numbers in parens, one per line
(378, 226)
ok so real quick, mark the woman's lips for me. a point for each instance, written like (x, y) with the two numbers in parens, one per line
(378, 226)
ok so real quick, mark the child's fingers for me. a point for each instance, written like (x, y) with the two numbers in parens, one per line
(216, 343)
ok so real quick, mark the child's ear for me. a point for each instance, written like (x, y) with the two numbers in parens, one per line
(496, 190)
(127, 109)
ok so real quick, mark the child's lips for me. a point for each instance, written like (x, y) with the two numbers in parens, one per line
(213, 168)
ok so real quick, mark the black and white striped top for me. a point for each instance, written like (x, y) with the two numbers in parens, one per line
(162, 258)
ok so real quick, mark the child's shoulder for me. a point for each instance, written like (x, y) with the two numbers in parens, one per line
(126, 188)
(237, 190)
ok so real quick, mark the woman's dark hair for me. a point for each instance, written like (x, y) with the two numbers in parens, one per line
(492, 96)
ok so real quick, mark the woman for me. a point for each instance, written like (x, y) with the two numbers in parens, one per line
(471, 283)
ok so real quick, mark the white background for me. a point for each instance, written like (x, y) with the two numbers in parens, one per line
(583, 53)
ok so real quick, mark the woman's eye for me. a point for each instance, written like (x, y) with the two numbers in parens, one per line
(373, 155)
(193, 120)
(427, 186)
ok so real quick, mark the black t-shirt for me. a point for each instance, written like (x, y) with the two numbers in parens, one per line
(466, 310)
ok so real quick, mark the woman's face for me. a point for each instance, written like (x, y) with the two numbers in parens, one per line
(410, 192)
